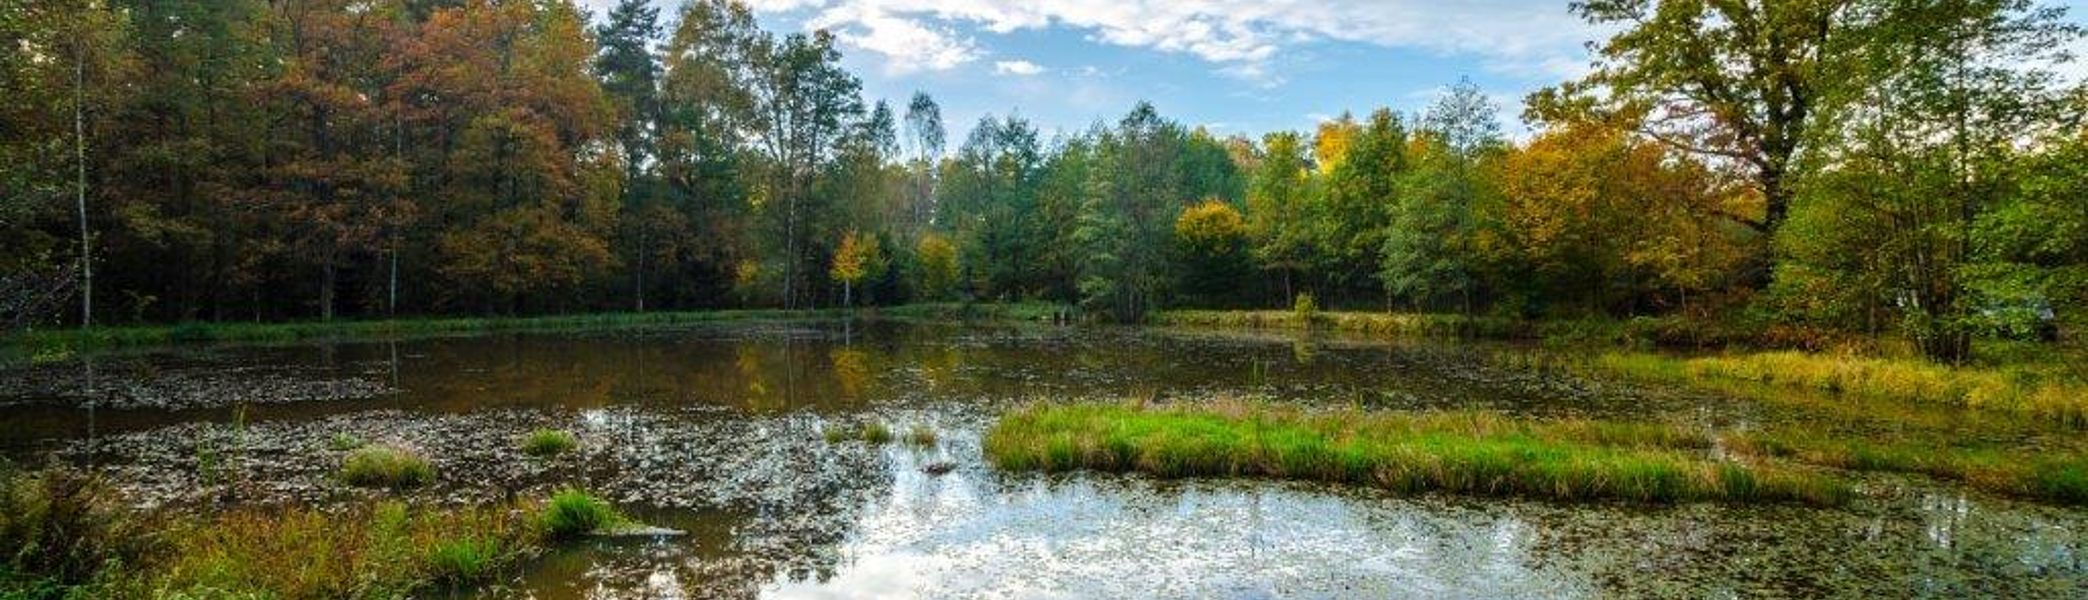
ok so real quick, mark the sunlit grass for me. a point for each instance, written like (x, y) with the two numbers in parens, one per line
(549, 442)
(1466, 452)
(66, 539)
(921, 435)
(384, 550)
(574, 513)
(386, 466)
(874, 432)
(2055, 401)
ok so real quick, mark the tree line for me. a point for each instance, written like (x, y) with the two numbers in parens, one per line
(1908, 166)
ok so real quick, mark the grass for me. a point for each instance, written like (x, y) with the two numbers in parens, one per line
(920, 435)
(1890, 415)
(549, 442)
(1464, 452)
(874, 432)
(343, 442)
(386, 466)
(66, 538)
(573, 513)
(2055, 400)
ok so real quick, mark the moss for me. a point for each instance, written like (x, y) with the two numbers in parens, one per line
(386, 466)
(1477, 453)
(549, 442)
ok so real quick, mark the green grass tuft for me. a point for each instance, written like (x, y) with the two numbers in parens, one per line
(574, 513)
(1477, 453)
(873, 432)
(921, 435)
(343, 442)
(549, 442)
(386, 466)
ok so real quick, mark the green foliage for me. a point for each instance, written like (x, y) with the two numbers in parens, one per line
(574, 513)
(1475, 453)
(58, 531)
(549, 442)
(386, 466)
(921, 435)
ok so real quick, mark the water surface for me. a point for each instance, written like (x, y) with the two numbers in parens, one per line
(716, 430)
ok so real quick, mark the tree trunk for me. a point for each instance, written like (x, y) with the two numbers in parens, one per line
(80, 183)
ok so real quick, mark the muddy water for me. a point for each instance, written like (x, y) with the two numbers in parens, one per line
(716, 431)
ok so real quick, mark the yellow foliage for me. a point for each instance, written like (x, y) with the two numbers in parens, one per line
(1210, 224)
(938, 266)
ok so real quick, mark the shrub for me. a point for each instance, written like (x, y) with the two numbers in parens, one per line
(386, 466)
(549, 442)
(58, 529)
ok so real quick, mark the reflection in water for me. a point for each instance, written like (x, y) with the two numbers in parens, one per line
(716, 431)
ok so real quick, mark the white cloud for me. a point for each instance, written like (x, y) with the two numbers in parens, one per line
(1240, 37)
(1016, 67)
(907, 44)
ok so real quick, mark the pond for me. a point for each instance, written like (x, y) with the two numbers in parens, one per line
(716, 430)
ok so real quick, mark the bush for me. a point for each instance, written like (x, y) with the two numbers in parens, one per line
(549, 442)
(386, 466)
(574, 513)
(59, 529)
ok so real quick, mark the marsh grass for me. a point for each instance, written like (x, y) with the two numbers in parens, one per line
(543, 443)
(1465, 452)
(921, 436)
(2051, 399)
(1996, 450)
(384, 550)
(386, 466)
(66, 537)
(343, 442)
(574, 513)
(874, 432)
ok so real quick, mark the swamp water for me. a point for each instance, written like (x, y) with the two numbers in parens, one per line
(717, 430)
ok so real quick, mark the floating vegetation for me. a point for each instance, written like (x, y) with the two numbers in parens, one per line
(544, 443)
(1466, 452)
(386, 466)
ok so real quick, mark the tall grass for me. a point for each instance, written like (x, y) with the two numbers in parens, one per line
(65, 538)
(1477, 453)
(2060, 402)
(549, 442)
(573, 513)
(386, 466)
(385, 550)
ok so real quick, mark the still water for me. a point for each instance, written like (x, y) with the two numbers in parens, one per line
(716, 430)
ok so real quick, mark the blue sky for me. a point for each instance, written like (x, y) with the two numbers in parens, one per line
(1234, 66)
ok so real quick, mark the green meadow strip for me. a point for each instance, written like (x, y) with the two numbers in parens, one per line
(1463, 452)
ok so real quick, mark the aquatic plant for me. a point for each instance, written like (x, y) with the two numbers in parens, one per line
(383, 550)
(573, 513)
(920, 435)
(874, 432)
(344, 441)
(386, 466)
(549, 442)
(59, 528)
(1468, 452)
(2050, 398)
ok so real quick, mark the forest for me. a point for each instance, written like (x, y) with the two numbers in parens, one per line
(1797, 170)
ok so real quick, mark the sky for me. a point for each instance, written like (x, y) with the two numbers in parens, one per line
(1233, 66)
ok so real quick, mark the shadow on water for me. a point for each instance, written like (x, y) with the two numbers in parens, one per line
(717, 430)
